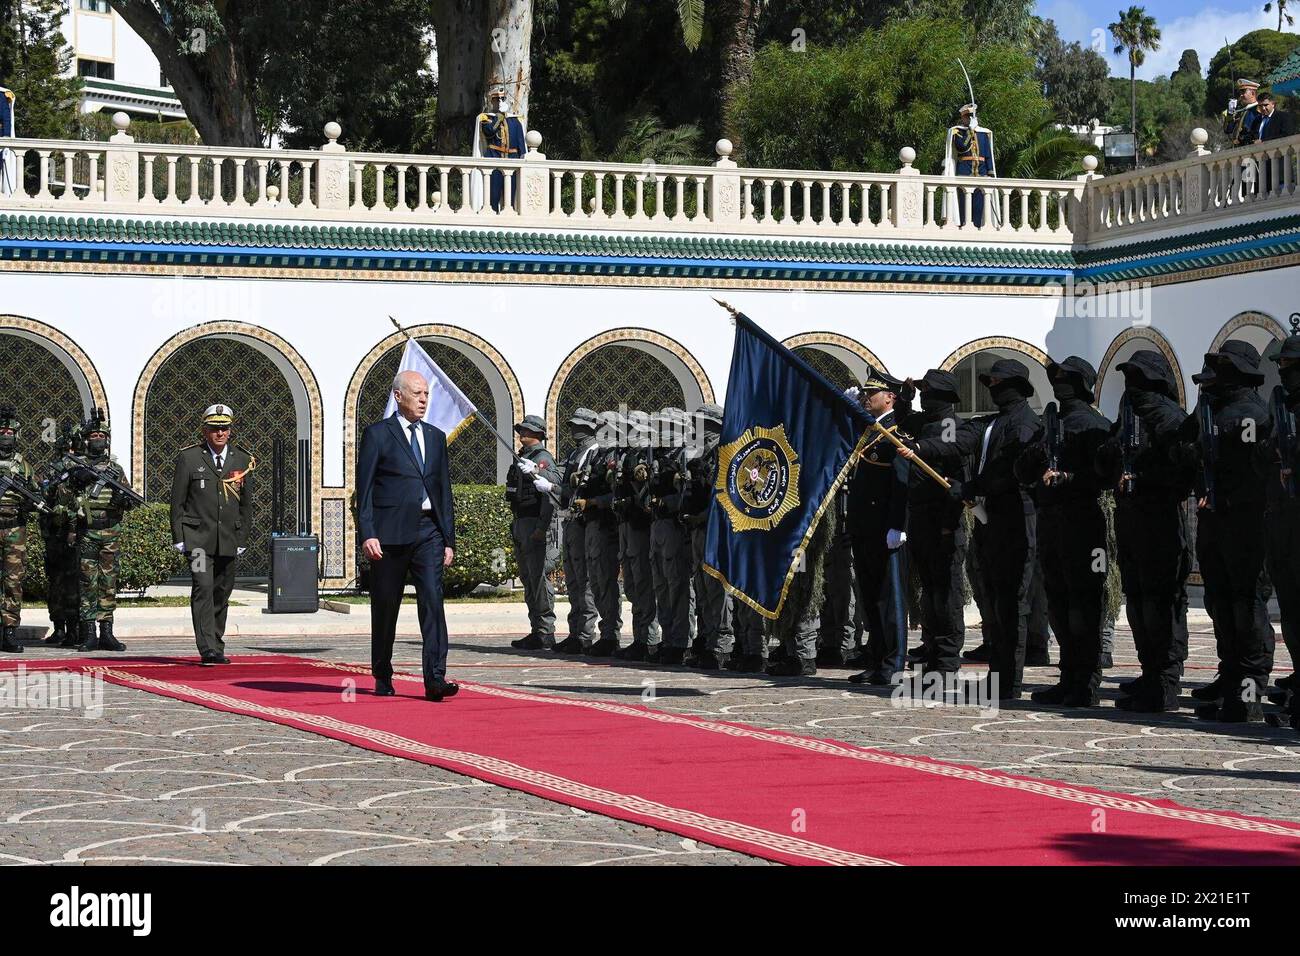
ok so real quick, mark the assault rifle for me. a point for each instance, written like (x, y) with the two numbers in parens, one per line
(1052, 424)
(1284, 426)
(7, 485)
(101, 480)
(1209, 441)
(1130, 443)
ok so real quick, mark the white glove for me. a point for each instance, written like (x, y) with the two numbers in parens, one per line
(239, 551)
(526, 466)
(895, 538)
(542, 485)
(179, 546)
(852, 393)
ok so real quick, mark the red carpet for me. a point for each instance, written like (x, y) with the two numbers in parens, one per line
(773, 795)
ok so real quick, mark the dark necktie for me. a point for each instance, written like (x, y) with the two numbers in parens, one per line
(415, 447)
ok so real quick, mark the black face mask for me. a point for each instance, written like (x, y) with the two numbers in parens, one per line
(580, 436)
(1066, 391)
(8, 444)
(98, 447)
(934, 404)
(1290, 378)
(1005, 395)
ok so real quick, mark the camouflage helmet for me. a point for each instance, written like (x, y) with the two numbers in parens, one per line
(9, 418)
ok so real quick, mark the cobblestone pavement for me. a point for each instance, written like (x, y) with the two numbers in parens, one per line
(157, 780)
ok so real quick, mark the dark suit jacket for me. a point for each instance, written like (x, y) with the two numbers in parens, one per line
(1279, 126)
(878, 488)
(390, 488)
(210, 511)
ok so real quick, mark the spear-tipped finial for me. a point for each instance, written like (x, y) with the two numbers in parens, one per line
(398, 325)
(734, 312)
(1295, 323)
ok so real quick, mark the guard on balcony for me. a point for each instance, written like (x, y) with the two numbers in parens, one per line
(8, 161)
(1242, 117)
(497, 135)
(968, 151)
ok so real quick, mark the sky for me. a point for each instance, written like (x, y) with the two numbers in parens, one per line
(1184, 24)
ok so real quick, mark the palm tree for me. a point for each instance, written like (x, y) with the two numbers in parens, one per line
(1281, 12)
(1135, 32)
(689, 12)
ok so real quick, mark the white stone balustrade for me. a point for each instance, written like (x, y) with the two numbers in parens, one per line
(333, 184)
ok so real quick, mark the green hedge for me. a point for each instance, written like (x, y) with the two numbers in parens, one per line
(146, 555)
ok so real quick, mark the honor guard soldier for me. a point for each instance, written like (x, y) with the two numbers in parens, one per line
(715, 634)
(1282, 520)
(632, 506)
(582, 606)
(104, 498)
(211, 517)
(1005, 543)
(498, 135)
(1233, 426)
(670, 543)
(595, 500)
(877, 521)
(59, 532)
(1151, 468)
(1241, 123)
(968, 151)
(18, 497)
(835, 637)
(936, 533)
(529, 484)
(1061, 468)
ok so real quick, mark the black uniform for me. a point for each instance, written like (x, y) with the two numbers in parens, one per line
(878, 490)
(1007, 542)
(1071, 529)
(936, 534)
(1282, 514)
(1230, 526)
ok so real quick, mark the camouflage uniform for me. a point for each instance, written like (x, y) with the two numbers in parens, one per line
(62, 563)
(14, 509)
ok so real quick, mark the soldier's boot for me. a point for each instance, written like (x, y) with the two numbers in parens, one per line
(605, 647)
(9, 640)
(636, 651)
(1212, 691)
(107, 642)
(71, 636)
(670, 656)
(1151, 698)
(570, 645)
(1052, 695)
(58, 635)
(711, 660)
(746, 664)
(89, 639)
(791, 666)
(532, 642)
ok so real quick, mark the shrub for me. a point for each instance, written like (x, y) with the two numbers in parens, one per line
(484, 551)
(145, 553)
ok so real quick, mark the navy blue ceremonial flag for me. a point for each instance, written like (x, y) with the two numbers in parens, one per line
(788, 440)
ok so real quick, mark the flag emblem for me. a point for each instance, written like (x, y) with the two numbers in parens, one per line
(758, 479)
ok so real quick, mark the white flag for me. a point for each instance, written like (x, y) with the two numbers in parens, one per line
(448, 409)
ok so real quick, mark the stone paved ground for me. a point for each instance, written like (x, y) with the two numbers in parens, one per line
(157, 780)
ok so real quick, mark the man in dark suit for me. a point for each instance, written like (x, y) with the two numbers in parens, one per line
(212, 512)
(406, 522)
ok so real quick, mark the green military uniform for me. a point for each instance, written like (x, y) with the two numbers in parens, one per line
(14, 508)
(211, 516)
(62, 562)
(99, 508)
(530, 531)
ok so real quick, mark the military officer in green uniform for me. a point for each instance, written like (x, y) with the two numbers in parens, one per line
(212, 513)
(59, 532)
(100, 507)
(529, 484)
(17, 493)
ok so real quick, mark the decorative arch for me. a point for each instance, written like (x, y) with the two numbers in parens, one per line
(1244, 320)
(70, 355)
(1147, 335)
(840, 347)
(501, 377)
(297, 374)
(995, 342)
(688, 372)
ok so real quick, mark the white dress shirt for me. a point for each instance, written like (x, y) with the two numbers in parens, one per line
(424, 456)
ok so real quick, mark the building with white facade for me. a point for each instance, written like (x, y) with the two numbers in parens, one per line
(168, 278)
(117, 68)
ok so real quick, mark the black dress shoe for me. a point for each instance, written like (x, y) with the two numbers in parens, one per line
(440, 690)
(605, 647)
(981, 653)
(570, 645)
(214, 659)
(793, 667)
(384, 688)
(636, 651)
(876, 678)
